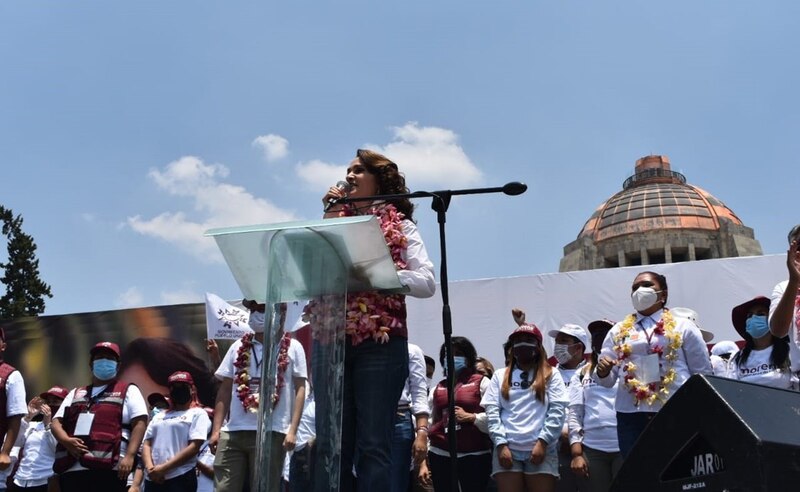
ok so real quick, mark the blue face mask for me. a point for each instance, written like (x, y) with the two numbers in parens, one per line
(459, 363)
(104, 369)
(757, 326)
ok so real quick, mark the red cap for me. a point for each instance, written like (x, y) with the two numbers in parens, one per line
(57, 391)
(113, 347)
(739, 313)
(527, 328)
(154, 398)
(180, 377)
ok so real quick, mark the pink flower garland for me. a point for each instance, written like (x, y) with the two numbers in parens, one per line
(283, 363)
(242, 378)
(369, 314)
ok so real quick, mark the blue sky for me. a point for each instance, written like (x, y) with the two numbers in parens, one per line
(126, 129)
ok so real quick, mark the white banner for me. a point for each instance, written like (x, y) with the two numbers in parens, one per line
(223, 320)
(481, 309)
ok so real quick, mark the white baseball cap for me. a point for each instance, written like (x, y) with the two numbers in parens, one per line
(691, 315)
(574, 331)
(724, 347)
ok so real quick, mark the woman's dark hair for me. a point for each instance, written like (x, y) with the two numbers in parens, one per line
(463, 345)
(160, 357)
(390, 180)
(780, 352)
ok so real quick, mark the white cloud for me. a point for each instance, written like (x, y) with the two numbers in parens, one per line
(320, 175)
(427, 155)
(220, 205)
(181, 296)
(273, 146)
(430, 155)
(129, 299)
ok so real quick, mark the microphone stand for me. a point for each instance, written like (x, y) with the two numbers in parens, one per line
(441, 202)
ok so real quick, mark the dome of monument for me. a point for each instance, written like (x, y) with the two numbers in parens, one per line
(656, 198)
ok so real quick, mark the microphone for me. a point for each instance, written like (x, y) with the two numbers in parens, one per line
(343, 186)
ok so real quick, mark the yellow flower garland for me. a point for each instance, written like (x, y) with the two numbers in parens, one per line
(651, 392)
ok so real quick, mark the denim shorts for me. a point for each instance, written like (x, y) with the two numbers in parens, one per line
(521, 463)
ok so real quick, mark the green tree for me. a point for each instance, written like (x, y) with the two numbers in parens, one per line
(25, 291)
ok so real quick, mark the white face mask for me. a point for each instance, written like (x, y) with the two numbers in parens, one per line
(561, 353)
(256, 321)
(644, 298)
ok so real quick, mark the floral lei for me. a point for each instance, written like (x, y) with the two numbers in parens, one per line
(652, 392)
(250, 400)
(370, 314)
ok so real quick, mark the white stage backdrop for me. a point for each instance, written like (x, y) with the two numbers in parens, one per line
(481, 309)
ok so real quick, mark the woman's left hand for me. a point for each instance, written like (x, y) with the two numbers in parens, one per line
(579, 466)
(463, 417)
(539, 450)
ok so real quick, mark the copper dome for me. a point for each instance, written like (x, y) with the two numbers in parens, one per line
(656, 198)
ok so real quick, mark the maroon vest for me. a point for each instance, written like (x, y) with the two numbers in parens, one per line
(5, 371)
(467, 396)
(105, 435)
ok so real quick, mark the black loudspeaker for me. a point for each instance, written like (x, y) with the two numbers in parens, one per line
(718, 434)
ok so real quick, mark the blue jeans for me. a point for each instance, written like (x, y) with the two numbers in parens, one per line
(629, 428)
(374, 376)
(402, 440)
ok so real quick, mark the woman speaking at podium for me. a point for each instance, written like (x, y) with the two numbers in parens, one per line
(376, 351)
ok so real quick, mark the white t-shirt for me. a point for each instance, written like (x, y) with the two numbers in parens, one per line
(171, 431)
(15, 395)
(692, 357)
(241, 420)
(133, 406)
(522, 415)
(415, 391)
(759, 370)
(777, 294)
(592, 418)
(40, 453)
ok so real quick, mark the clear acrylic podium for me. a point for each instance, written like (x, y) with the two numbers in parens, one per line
(317, 263)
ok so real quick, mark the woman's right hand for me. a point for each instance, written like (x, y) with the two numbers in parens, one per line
(604, 366)
(793, 261)
(334, 193)
(504, 456)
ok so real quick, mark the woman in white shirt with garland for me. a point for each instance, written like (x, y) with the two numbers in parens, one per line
(592, 420)
(526, 406)
(765, 358)
(652, 354)
(173, 439)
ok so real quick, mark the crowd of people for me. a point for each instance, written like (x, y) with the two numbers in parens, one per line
(528, 426)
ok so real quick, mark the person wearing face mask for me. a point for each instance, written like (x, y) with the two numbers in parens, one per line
(571, 341)
(525, 405)
(474, 452)
(99, 428)
(765, 358)
(158, 403)
(234, 444)
(721, 359)
(592, 422)
(173, 439)
(35, 468)
(652, 353)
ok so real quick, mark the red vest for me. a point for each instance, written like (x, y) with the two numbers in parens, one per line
(105, 435)
(467, 396)
(5, 371)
